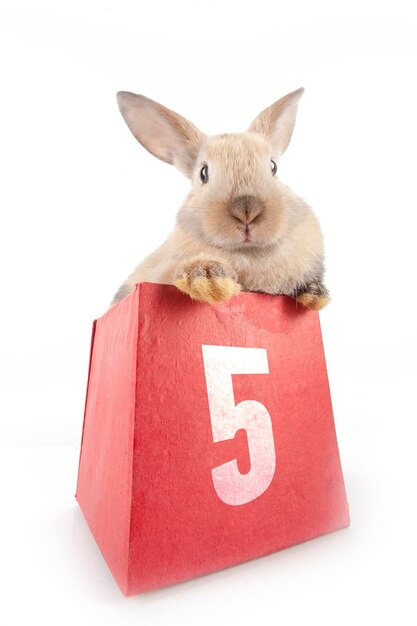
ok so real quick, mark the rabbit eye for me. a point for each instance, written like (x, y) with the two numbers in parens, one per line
(204, 174)
(273, 167)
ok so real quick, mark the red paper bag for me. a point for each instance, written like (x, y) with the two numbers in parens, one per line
(208, 435)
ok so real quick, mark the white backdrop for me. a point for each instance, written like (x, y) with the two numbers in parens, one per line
(81, 203)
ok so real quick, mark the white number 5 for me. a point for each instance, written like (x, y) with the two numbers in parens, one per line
(220, 362)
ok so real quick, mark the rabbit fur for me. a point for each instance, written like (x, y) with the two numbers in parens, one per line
(239, 227)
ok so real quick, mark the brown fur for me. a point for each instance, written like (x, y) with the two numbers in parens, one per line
(243, 229)
(313, 301)
(208, 281)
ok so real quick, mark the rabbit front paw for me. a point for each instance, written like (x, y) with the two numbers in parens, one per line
(314, 296)
(207, 281)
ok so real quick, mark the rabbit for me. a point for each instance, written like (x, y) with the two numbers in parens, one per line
(240, 227)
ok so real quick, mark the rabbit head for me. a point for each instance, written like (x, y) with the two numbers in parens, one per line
(237, 200)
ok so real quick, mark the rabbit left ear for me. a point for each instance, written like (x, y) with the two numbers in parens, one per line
(276, 123)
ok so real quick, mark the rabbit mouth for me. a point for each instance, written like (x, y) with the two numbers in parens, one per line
(244, 231)
(247, 234)
(247, 240)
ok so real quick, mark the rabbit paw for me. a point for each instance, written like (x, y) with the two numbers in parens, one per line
(207, 281)
(315, 296)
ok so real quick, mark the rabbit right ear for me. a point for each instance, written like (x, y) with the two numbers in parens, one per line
(164, 133)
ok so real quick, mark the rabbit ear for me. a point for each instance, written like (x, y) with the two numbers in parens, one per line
(276, 123)
(164, 133)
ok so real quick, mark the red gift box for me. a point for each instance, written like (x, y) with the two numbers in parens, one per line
(208, 435)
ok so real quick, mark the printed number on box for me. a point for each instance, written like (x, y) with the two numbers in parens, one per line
(220, 362)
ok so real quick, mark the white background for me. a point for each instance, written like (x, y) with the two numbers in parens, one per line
(81, 203)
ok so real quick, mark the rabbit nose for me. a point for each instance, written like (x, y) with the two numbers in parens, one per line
(246, 208)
